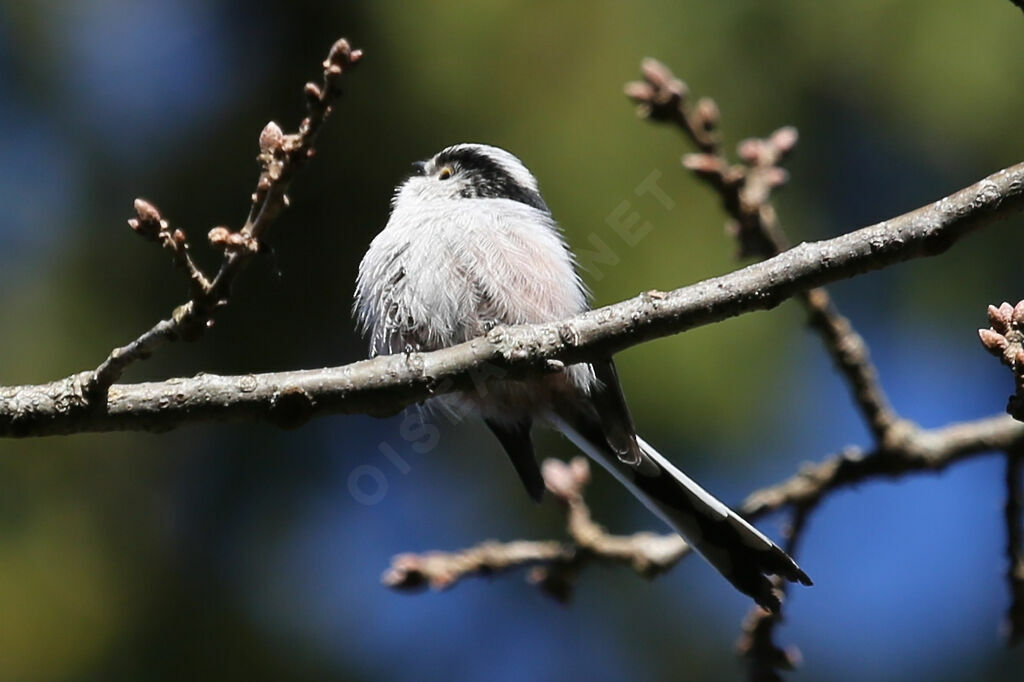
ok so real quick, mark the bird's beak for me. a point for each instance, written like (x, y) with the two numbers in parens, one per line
(420, 167)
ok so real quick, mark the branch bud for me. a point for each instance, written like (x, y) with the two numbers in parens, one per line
(750, 150)
(784, 139)
(146, 211)
(271, 138)
(663, 80)
(639, 91)
(995, 318)
(775, 176)
(148, 221)
(1006, 311)
(706, 113)
(313, 93)
(705, 164)
(340, 56)
(219, 236)
(993, 341)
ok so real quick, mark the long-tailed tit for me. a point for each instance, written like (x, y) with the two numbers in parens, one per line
(471, 244)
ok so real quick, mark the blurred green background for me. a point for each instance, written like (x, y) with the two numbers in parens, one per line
(241, 552)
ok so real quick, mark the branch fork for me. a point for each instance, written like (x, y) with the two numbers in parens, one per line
(554, 565)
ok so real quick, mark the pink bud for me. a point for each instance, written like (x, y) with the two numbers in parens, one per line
(313, 92)
(1018, 314)
(703, 163)
(218, 236)
(775, 176)
(340, 53)
(271, 137)
(580, 470)
(639, 91)
(707, 112)
(750, 150)
(146, 211)
(998, 321)
(995, 342)
(784, 139)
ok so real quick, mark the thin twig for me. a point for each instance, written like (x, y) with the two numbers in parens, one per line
(280, 158)
(920, 451)
(745, 190)
(757, 633)
(442, 570)
(149, 224)
(647, 554)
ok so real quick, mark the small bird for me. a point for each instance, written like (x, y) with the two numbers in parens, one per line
(470, 245)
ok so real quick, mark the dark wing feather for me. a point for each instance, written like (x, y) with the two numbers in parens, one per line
(515, 438)
(616, 420)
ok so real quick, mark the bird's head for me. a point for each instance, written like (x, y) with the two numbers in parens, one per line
(468, 172)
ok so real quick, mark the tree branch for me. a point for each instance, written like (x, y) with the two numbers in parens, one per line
(386, 385)
(556, 563)
(745, 190)
(919, 450)
(916, 450)
(280, 158)
(757, 633)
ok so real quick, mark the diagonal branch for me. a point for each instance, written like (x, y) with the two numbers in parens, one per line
(281, 156)
(386, 385)
(745, 190)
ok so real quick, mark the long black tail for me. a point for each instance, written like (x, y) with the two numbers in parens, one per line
(740, 552)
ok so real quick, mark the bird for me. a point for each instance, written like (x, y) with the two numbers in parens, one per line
(471, 245)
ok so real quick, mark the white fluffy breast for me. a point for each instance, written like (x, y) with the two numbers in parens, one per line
(442, 272)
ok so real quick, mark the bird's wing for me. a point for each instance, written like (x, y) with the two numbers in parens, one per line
(616, 422)
(515, 438)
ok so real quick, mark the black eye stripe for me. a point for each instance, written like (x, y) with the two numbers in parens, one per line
(469, 159)
(486, 178)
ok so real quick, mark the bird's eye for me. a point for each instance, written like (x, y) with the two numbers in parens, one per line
(445, 173)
